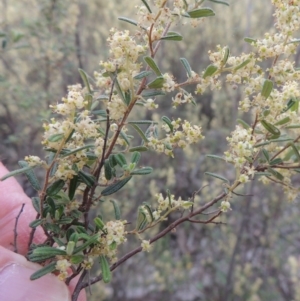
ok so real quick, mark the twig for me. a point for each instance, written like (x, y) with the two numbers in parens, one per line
(79, 287)
(15, 229)
(32, 233)
(207, 221)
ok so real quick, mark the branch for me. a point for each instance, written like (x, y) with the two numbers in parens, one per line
(15, 229)
(156, 237)
(207, 221)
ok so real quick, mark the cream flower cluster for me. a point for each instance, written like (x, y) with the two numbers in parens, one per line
(111, 237)
(241, 145)
(183, 134)
(169, 203)
(62, 266)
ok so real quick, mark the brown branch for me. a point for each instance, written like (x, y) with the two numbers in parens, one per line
(15, 229)
(88, 197)
(32, 234)
(78, 287)
(283, 149)
(207, 221)
(155, 238)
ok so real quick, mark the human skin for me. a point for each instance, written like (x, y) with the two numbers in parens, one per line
(15, 270)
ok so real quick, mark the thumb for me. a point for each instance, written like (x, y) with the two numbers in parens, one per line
(15, 283)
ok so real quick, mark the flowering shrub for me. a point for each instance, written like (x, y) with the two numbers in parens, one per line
(92, 140)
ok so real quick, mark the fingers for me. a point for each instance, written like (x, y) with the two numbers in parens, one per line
(12, 197)
(15, 284)
(15, 270)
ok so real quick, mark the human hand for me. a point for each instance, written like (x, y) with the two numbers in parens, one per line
(15, 270)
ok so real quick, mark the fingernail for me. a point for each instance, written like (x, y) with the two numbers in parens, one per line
(15, 285)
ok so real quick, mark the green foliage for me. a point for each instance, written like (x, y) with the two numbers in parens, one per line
(97, 152)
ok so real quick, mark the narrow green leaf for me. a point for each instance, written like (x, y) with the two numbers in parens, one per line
(215, 157)
(293, 105)
(148, 209)
(118, 88)
(244, 124)
(186, 66)
(293, 126)
(121, 159)
(99, 223)
(115, 187)
(201, 13)
(55, 187)
(250, 40)
(262, 144)
(86, 178)
(128, 21)
(225, 56)
(92, 240)
(141, 221)
(66, 220)
(283, 138)
(85, 80)
(74, 183)
(76, 150)
(69, 234)
(276, 174)
(140, 132)
(43, 253)
(140, 148)
(147, 6)
(116, 209)
(108, 170)
(263, 173)
(241, 65)
(35, 223)
(30, 176)
(76, 259)
(172, 36)
(142, 122)
(94, 105)
(102, 97)
(217, 176)
(142, 74)
(220, 2)
(112, 161)
(102, 113)
(267, 88)
(151, 63)
(124, 137)
(142, 171)
(16, 172)
(266, 112)
(283, 121)
(266, 154)
(296, 151)
(210, 70)
(36, 204)
(276, 161)
(56, 137)
(135, 157)
(169, 198)
(270, 128)
(106, 273)
(168, 121)
(44, 271)
(157, 83)
(154, 93)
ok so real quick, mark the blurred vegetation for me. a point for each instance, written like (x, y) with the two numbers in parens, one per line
(254, 254)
